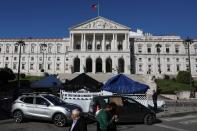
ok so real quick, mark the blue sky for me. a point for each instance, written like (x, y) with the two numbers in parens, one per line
(52, 18)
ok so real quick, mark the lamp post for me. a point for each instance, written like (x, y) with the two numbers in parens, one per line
(43, 47)
(19, 43)
(188, 42)
(158, 47)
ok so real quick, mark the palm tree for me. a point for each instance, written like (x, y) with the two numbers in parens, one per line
(43, 47)
(188, 42)
(19, 43)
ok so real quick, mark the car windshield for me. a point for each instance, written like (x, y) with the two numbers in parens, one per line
(55, 100)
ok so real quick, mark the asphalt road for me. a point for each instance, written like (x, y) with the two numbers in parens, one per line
(178, 123)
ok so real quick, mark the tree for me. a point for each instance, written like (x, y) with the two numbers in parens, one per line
(183, 77)
(6, 74)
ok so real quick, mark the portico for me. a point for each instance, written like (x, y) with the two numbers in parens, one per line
(100, 42)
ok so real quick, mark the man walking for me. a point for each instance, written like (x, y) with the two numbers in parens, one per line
(104, 120)
(78, 123)
(154, 97)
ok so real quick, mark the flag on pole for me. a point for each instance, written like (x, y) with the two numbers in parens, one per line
(94, 6)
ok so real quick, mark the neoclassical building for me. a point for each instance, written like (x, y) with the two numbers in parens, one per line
(100, 45)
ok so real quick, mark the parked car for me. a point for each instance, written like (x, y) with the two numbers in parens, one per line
(127, 109)
(42, 106)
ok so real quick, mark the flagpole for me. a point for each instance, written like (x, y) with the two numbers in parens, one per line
(98, 7)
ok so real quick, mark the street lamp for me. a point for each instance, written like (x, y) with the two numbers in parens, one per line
(43, 48)
(158, 47)
(19, 43)
(188, 42)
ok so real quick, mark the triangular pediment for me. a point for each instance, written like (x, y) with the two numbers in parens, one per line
(100, 23)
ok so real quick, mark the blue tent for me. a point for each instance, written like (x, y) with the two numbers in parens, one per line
(121, 84)
(48, 82)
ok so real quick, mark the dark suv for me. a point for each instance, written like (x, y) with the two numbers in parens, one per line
(127, 109)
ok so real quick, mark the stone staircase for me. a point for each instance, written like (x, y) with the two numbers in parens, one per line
(103, 77)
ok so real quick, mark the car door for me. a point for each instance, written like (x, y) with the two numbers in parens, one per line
(134, 110)
(42, 108)
(28, 106)
(121, 111)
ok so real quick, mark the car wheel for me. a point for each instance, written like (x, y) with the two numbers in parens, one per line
(59, 120)
(149, 119)
(18, 116)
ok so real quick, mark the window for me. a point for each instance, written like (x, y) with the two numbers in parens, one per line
(6, 58)
(168, 59)
(196, 59)
(58, 58)
(49, 58)
(167, 50)
(23, 66)
(28, 100)
(177, 68)
(186, 49)
(187, 67)
(41, 101)
(0, 48)
(15, 58)
(187, 60)
(139, 49)
(196, 68)
(32, 58)
(49, 66)
(23, 58)
(40, 58)
(195, 49)
(177, 49)
(140, 59)
(50, 49)
(24, 48)
(7, 48)
(149, 69)
(6, 65)
(57, 66)
(15, 49)
(158, 59)
(149, 50)
(31, 66)
(58, 48)
(14, 66)
(177, 59)
(140, 67)
(149, 59)
(40, 66)
(120, 47)
(32, 48)
(66, 67)
(168, 68)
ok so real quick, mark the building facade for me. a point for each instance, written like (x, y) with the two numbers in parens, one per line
(100, 46)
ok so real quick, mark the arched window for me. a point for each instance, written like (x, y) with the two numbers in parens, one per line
(88, 65)
(121, 65)
(98, 65)
(76, 64)
(108, 65)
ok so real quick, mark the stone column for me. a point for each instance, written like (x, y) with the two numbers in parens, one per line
(72, 41)
(82, 41)
(103, 66)
(93, 66)
(81, 65)
(113, 42)
(93, 43)
(103, 43)
(116, 46)
(124, 42)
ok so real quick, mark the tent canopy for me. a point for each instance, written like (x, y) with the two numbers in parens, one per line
(48, 82)
(83, 81)
(121, 84)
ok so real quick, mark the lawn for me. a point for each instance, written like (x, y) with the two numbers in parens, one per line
(171, 86)
(32, 78)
